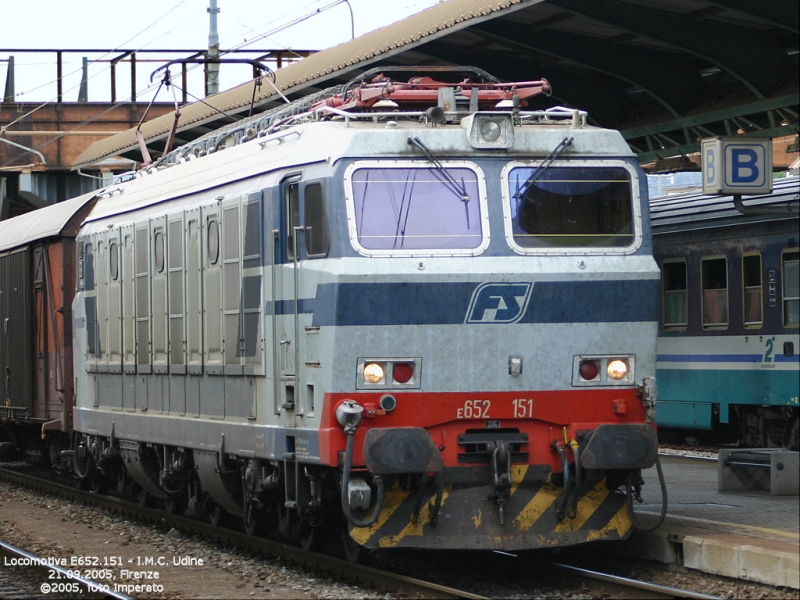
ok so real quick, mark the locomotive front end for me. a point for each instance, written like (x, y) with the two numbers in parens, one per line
(501, 470)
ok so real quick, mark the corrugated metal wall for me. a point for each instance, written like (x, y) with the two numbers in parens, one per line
(17, 335)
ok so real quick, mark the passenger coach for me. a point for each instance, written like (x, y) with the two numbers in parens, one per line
(728, 339)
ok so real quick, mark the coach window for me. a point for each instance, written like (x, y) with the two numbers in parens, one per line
(673, 279)
(752, 288)
(791, 287)
(316, 221)
(714, 273)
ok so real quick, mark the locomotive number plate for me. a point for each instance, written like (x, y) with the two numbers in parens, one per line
(519, 408)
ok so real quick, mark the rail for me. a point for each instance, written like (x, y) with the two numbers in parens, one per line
(48, 571)
(365, 575)
(642, 589)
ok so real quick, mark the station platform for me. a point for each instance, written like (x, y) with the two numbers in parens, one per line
(749, 534)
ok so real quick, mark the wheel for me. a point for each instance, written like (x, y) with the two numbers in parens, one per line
(144, 498)
(127, 488)
(306, 536)
(794, 435)
(97, 484)
(217, 516)
(250, 519)
(352, 551)
(83, 466)
(174, 504)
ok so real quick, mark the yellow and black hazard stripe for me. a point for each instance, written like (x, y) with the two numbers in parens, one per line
(468, 518)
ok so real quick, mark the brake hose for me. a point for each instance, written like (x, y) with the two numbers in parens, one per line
(563, 498)
(348, 463)
(663, 515)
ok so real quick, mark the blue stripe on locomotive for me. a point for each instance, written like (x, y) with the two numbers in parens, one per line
(412, 303)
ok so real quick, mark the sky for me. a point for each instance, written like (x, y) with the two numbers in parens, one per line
(164, 25)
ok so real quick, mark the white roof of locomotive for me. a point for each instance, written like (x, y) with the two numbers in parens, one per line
(328, 141)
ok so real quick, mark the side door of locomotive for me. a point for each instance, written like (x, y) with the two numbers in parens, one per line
(285, 301)
(301, 235)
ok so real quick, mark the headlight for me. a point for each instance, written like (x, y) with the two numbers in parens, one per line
(617, 369)
(373, 373)
(589, 370)
(384, 373)
(490, 131)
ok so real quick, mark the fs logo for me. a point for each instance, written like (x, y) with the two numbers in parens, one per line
(498, 302)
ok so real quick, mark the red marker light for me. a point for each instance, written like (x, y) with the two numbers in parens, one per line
(403, 372)
(589, 370)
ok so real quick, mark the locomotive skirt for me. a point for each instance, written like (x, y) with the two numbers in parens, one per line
(469, 517)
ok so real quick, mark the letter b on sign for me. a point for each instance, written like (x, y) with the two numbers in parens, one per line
(745, 166)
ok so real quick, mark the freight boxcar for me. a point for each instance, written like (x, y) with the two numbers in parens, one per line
(37, 285)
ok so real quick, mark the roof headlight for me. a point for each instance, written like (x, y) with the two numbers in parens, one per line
(490, 130)
(374, 373)
(617, 369)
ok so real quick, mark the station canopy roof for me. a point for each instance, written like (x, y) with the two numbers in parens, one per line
(664, 72)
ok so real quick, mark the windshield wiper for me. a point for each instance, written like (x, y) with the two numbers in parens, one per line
(459, 189)
(557, 151)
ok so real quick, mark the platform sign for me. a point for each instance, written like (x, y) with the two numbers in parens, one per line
(736, 165)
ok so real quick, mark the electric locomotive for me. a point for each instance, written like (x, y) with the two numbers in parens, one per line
(728, 339)
(415, 313)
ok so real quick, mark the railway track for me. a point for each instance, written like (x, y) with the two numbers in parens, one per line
(366, 576)
(591, 581)
(382, 579)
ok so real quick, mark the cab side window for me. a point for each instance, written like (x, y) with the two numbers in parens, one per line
(316, 221)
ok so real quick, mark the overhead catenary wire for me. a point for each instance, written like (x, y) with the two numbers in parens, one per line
(152, 86)
(101, 57)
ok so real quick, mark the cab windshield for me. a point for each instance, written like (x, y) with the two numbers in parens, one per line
(417, 208)
(570, 206)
